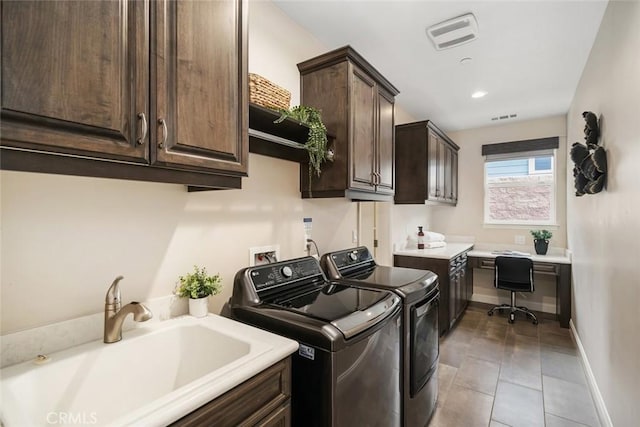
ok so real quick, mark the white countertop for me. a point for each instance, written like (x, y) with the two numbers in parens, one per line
(451, 250)
(154, 376)
(486, 250)
(551, 258)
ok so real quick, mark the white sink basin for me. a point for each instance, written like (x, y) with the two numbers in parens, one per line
(154, 376)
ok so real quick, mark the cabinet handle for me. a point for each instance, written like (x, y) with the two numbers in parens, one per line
(143, 135)
(165, 132)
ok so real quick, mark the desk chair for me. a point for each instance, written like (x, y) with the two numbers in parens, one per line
(514, 274)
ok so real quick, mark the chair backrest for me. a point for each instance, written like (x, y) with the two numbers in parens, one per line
(514, 273)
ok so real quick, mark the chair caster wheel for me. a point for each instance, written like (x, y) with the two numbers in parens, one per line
(535, 322)
(512, 318)
(490, 313)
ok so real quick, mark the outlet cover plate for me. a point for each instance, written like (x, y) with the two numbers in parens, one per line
(257, 250)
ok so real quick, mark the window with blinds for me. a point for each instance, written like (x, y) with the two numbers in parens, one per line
(520, 182)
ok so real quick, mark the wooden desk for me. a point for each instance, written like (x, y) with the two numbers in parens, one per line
(558, 266)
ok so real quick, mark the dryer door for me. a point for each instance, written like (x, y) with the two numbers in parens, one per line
(424, 349)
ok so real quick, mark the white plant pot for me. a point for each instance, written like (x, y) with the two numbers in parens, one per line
(199, 307)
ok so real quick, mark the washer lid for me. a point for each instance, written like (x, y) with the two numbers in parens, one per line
(394, 278)
(350, 310)
(357, 267)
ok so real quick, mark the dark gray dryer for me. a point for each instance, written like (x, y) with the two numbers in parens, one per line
(419, 345)
(346, 370)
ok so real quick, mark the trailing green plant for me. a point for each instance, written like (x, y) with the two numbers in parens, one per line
(317, 140)
(198, 284)
(541, 234)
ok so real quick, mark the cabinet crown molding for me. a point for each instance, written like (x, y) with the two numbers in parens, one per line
(346, 53)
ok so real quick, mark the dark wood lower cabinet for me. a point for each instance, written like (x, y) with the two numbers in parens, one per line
(263, 400)
(454, 278)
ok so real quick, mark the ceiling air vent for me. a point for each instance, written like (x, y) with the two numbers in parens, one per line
(506, 116)
(454, 32)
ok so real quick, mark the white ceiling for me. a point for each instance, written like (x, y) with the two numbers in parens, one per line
(529, 55)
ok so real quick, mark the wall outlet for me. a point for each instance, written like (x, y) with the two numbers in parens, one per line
(519, 239)
(259, 255)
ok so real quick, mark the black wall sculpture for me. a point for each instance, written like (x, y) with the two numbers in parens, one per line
(590, 160)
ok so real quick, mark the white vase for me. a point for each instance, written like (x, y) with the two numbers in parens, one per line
(199, 307)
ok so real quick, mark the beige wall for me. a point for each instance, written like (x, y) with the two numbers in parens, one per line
(64, 239)
(467, 218)
(604, 229)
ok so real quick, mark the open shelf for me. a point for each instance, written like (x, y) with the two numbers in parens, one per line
(285, 140)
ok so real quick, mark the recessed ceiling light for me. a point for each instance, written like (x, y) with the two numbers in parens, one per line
(478, 94)
(466, 60)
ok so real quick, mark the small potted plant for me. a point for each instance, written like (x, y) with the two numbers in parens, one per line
(197, 286)
(541, 240)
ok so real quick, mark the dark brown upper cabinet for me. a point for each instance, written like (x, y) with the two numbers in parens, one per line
(159, 84)
(357, 105)
(426, 165)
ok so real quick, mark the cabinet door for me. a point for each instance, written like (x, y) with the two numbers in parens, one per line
(441, 170)
(433, 159)
(279, 418)
(454, 278)
(75, 77)
(464, 296)
(447, 192)
(385, 155)
(454, 176)
(201, 79)
(363, 129)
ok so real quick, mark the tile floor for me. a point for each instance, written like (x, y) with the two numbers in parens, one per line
(495, 374)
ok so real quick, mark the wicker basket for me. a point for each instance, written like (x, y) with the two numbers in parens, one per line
(267, 94)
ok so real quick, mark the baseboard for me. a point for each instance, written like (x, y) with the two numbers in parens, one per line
(601, 408)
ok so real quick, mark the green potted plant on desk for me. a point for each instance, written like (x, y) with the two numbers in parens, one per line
(197, 286)
(541, 240)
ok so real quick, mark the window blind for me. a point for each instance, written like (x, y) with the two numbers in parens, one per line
(529, 145)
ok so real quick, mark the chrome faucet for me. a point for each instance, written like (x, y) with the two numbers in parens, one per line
(114, 315)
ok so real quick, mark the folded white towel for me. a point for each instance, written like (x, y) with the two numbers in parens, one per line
(432, 245)
(429, 237)
(432, 236)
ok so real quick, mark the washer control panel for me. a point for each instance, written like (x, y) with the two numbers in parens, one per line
(279, 274)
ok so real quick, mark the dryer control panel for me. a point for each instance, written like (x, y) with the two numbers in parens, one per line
(352, 257)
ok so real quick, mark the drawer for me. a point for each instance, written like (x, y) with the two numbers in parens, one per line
(458, 261)
(487, 263)
(544, 268)
(538, 267)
